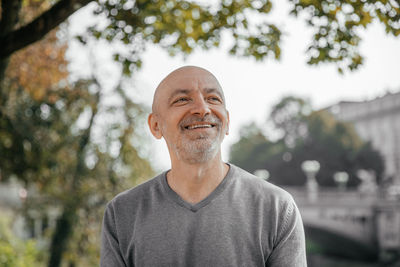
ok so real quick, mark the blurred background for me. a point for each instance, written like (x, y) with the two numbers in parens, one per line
(312, 87)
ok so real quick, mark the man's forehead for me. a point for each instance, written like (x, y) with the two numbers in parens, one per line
(189, 78)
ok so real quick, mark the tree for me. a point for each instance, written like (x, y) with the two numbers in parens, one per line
(338, 148)
(316, 136)
(49, 145)
(288, 118)
(47, 141)
(180, 26)
(253, 148)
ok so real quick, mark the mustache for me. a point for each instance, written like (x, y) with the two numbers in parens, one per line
(212, 119)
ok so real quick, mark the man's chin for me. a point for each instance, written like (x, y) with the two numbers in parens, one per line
(199, 151)
(199, 157)
(193, 136)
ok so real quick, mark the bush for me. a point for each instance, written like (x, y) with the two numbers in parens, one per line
(15, 252)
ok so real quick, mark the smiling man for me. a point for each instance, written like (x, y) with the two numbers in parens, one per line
(203, 211)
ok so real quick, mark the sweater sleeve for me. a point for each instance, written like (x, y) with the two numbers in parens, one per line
(110, 253)
(289, 248)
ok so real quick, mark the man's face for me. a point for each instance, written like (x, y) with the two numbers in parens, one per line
(189, 112)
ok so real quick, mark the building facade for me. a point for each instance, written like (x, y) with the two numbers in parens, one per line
(377, 121)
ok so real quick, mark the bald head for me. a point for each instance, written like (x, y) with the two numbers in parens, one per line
(183, 78)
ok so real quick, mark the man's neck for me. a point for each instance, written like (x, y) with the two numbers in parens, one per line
(194, 182)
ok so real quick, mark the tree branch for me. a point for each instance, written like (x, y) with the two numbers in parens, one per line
(9, 15)
(39, 27)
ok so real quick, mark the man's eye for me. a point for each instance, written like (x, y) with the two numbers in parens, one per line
(180, 100)
(214, 99)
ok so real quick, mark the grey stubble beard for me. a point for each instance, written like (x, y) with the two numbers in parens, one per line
(198, 151)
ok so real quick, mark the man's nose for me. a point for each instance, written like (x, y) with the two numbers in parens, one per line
(200, 107)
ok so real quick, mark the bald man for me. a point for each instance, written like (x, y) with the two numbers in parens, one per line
(203, 211)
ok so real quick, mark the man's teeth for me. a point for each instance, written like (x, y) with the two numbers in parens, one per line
(199, 126)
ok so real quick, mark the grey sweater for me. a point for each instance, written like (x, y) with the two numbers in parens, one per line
(245, 221)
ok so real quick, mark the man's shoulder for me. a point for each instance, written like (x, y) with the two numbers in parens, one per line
(252, 184)
(138, 192)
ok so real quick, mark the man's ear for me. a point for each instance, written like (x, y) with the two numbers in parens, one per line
(154, 126)
(227, 125)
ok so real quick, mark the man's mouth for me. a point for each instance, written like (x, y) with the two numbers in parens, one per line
(199, 126)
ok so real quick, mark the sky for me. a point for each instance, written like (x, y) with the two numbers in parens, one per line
(251, 88)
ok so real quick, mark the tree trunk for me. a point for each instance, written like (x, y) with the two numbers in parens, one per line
(3, 67)
(66, 222)
(62, 234)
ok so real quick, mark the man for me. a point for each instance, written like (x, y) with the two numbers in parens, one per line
(202, 212)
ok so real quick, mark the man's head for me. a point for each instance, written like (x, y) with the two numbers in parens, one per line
(189, 112)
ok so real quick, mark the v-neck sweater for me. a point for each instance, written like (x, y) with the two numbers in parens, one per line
(245, 221)
(195, 207)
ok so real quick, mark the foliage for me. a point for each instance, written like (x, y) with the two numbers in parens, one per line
(337, 27)
(16, 252)
(181, 26)
(40, 67)
(253, 148)
(288, 118)
(316, 136)
(49, 144)
(67, 143)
